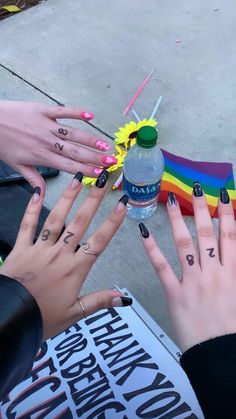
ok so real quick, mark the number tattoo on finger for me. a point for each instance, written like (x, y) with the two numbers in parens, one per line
(59, 146)
(69, 234)
(45, 234)
(211, 252)
(190, 259)
(63, 131)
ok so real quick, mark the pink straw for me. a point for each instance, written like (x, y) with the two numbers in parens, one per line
(137, 93)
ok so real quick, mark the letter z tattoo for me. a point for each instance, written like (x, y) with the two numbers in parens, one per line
(211, 252)
(69, 234)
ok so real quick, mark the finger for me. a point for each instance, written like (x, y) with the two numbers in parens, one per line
(91, 303)
(29, 222)
(100, 239)
(78, 226)
(183, 240)
(70, 166)
(207, 242)
(82, 154)
(32, 176)
(158, 261)
(227, 229)
(55, 221)
(57, 112)
(75, 135)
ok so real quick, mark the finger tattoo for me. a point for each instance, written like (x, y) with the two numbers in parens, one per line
(190, 259)
(59, 146)
(45, 234)
(211, 252)
(69, 234)
(63, 131)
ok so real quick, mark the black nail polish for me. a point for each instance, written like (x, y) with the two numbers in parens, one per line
(143, 230)
(79, 176)
(124, 199)
(172, 199)
(197, 189)
(126, 301)
(37, 190)
(102, 179)
(224, 196)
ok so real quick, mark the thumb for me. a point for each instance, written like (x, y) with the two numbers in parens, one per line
(32, 176)
(99, 300)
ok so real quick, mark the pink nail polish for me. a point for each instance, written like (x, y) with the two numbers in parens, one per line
(87, 115)
(102, 145)
(97, 171)
(109, 160)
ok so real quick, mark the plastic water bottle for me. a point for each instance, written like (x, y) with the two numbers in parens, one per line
(143, 170)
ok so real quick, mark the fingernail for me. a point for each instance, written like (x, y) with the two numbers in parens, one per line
(197, 189)
(76, 181)
(224, 196)
(87, 115)
(36, 194)
(102, 180)
(171, 199)
(102, 145)
(97, 171)
(121, 301)
(109, 160)
(122, 204)
(143, 230)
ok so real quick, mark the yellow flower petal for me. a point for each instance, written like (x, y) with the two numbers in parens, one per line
(11, 8)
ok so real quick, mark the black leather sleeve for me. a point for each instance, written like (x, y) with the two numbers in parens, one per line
(211, 369)
(20, 333)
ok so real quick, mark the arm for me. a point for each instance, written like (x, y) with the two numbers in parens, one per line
(202, 302)
(48, 276)
(20, 332)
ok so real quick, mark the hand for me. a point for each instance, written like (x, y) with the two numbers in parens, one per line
(30, 135)
(202, 303)
(52, 269)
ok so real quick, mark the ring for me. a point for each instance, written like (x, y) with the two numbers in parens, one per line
(82, 307)
(85, 248)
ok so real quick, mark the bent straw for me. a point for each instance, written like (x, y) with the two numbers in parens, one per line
(137, 93)
(156, 107)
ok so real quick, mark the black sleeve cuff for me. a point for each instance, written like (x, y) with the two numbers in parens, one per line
(211, 369)
(20, 332)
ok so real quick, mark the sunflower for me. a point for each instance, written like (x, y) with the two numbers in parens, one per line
(126, 136)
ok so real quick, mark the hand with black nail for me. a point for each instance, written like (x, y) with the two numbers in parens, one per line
(31, 134)
(202, 302)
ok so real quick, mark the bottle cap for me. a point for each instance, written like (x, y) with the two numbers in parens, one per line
(147, 137)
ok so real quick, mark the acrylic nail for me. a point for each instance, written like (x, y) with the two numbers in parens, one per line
(97, 171)
(121, 301)
(102, 145)
(36, 194)
(171, 199)
(224, 196)
(102, 180)
(87, 115)
(143, 230)
(197, 189)
(122, 204)
(76, 181)
(109, 160)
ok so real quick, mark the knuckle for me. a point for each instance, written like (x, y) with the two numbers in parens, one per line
(206, 231)
(161, 266)
(184, 242)
(81, 219)
(100, 238)
(229, 235)
(75, 153)
(25, 226)
(54, 218)
(70, 167)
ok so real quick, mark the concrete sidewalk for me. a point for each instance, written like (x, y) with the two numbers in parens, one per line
(95, 54)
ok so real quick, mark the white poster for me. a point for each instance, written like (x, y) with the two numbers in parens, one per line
(117, 363)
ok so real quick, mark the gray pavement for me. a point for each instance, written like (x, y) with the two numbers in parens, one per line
(95, 54)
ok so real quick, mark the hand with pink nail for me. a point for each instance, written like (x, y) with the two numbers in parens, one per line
(31, 134)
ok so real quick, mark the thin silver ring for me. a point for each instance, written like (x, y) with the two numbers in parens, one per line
(85, 248)
(82, 307)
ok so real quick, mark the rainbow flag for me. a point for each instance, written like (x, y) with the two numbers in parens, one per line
(180, 173)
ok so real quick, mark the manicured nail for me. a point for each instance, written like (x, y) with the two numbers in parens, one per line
(102, 145)
(172, 199)
(36, 194)
(224, 196)
(76, 181)
(87, 115)
(97, 171)
(197, 189)
(143, 230)
(109, 160)
(102, 180)
(122, 204)
(121, 301)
